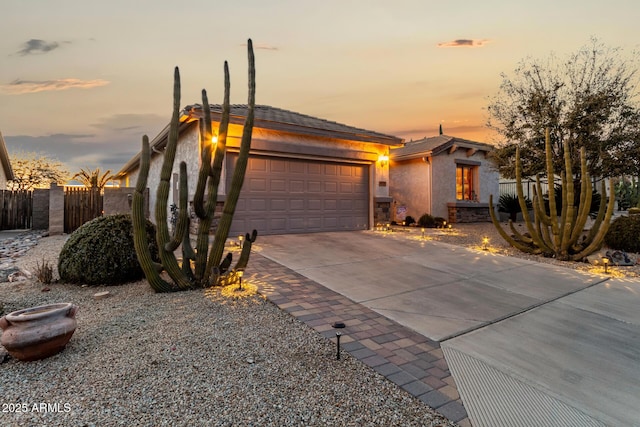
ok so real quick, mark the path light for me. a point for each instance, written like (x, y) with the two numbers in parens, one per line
(338, 325)
(388, 227)
(485, 243)
(605, 261)
(240, 274)
(423, 232)
(450, 228)
(444, 224)
(240, 238)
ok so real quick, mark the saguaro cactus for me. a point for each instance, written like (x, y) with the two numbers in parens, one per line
(206, 261)
(554, 235)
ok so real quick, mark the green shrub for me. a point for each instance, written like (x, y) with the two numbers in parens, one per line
(510, 204)
(624, 234)
(426, 221)
(102, 252)
(409, 220)
(439, 221)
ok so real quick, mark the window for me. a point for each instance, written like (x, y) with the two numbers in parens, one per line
(466, 182)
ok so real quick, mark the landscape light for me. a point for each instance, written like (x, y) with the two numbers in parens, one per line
(605, 261)
(423, 232)
(240, 274)
(485, 243)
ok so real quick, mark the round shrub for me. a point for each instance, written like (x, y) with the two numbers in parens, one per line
(409, 220)
(426, 221)
(624, 234)
(101, 252)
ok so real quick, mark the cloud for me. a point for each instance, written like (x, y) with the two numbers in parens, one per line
(35, 46)
(464, 43)
(78, 151)
(132, 122)
(262, 46)
(20, 87)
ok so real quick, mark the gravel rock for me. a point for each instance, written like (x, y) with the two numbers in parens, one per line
(190, 359)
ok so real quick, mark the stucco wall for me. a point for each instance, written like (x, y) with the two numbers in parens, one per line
(268, 142)
(410, 182)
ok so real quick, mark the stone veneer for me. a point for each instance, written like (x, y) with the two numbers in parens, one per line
(381, 210)
(468, 212)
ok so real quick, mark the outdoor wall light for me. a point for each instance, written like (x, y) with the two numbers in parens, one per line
(605, 261)
(384, 160)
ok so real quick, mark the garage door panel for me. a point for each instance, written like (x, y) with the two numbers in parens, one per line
(278, 185)
(257, 165)
(314, 186)
(331, 187)
(296, 186)
(296, 196)
(296, 204)
(278, 205)
(276, 165)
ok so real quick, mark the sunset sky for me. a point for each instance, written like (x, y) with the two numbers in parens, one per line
(83, 80)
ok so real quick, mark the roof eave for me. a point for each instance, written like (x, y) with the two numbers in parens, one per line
(4, 159)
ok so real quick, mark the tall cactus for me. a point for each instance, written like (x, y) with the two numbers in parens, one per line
(559, 234)
(206, 260)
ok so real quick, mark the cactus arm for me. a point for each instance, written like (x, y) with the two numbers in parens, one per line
(516, 244)
(541, 212)
(597, 241)
(586, 195)
(168, 258)
(141, 244)
(183, 216)
(537, 240)
(568, 205)
(205, 159)
(518, 236)
(553, 211)
(239, 171)
(243, 260)
(599, 218)
(215, 173)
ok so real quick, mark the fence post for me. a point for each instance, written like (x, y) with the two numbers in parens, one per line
(56, 209)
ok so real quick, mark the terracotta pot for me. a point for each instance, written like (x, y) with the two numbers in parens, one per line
(38, 332)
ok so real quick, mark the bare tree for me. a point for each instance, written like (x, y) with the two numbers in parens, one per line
(588, 99)
(35, 170)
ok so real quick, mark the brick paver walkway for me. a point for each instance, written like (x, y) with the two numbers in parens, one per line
(403, 356)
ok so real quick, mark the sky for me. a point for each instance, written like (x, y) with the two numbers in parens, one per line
(82, 81)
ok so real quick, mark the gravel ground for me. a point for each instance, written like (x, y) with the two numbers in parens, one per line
(471, 235)
(189, 359)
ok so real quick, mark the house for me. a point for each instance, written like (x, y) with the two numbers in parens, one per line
(305, 174)
(6, 172)
(443, 176)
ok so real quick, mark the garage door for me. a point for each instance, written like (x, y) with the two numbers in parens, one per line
(282, 196)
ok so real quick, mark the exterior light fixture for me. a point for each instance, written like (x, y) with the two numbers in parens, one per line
(338, 325)
(214, 139)
(240, 274)
(444, 224)
(605, 261)
(388, 227)
(485, 243)
(423, 232)
(240, 238)
(450, 228)
(384, 160)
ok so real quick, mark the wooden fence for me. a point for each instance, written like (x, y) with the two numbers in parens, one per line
(16, 209)
(81, 205)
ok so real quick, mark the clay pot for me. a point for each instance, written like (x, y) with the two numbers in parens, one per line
(38, 332)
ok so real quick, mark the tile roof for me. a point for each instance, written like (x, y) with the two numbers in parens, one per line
(434, 145)
(268, 117)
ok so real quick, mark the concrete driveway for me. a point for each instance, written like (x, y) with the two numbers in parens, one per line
(527, 343)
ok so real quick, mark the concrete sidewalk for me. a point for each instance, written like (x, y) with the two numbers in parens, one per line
(527, 343)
